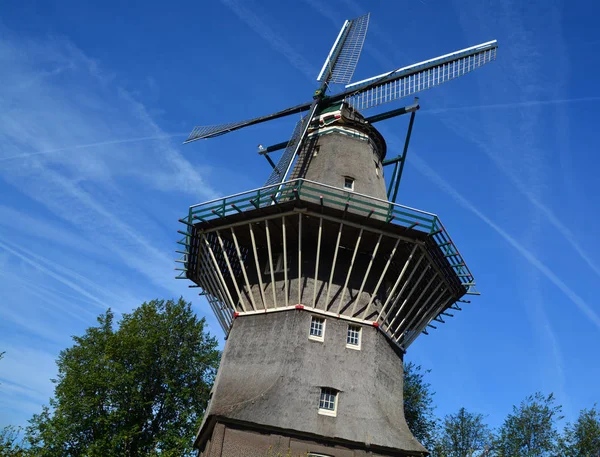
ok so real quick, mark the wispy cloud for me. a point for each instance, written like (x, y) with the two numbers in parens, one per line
(275, 40)
(512, 105)
(94, 185)
(429, 172)
(99, 144)
(24, 375)
(91, 192)
(527, 254)
(33, 260)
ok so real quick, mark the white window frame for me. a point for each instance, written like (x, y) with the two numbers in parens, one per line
(326, 411)
(351, 179)
(357, 346)
(316, 337)
(312, 454)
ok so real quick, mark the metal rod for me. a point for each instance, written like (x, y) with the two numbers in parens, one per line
(302, 180)
(417, 282)
(402, 273)
(299, 258)
(397, 112)
(215, 310)
(257, 265)
(218, 270)
(317, 263)
(226, 257)
(391, 293)
(285, 264)
(387, 264)
(389, 191)
(404, 152)
(349, 270)
(218, 292)
(271, 262)
(430, 314)
(243, 267)
(428, 319)
(335, 253)
(364, 281)
(422, 307)
(273, 148)
(426, 301)
(271, 162)
(359, 226)
(254, 219)
(212, 285)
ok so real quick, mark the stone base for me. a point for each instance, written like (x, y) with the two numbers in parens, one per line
(238, 440)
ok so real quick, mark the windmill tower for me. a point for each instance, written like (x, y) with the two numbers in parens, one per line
(320, 280)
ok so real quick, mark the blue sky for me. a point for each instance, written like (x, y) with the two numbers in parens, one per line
(96, 100)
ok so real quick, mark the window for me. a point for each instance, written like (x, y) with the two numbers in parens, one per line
(328, 402)
(317, 328)
(348, 183)
(277, 265)
(353, 337)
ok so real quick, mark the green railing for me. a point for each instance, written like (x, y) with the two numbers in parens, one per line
(302, 189)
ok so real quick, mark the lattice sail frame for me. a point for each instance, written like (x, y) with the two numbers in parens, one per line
(429, 274)
(345, 52)
(278, 173)
(409, 80)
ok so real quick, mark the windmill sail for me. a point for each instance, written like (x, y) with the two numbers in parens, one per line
(280, 171)
(409, 80)
(343, 57)
(211, 131)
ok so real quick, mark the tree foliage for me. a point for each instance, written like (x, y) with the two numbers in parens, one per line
(582, 439)
(464, 434)
(530, 431)
(418, 404)
(11, 442)
(137, 390)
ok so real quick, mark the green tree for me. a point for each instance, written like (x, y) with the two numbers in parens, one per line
(137, 390)
(464, 434)
(582, 439)
(530, 431)
(11, 442)
(418, 405)
(10, 438)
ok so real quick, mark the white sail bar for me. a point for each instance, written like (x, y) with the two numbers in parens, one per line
(343, 57)
(336, 43)
(414, 78)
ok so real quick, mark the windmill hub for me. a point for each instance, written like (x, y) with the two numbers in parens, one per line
(320, 280)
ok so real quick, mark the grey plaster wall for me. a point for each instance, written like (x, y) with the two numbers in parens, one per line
(338, 155)
(271, 374)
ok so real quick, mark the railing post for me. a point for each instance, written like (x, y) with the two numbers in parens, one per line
(389, 212)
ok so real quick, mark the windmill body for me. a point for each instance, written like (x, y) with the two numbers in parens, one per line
(320, 280)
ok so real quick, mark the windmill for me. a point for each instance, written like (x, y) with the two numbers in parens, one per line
(319, 279)
(338, 68)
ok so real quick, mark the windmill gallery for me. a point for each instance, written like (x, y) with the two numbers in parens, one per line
(320, 280)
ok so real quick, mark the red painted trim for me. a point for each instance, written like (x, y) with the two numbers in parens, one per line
(235, 315)
(375, 324)
(299, 306)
